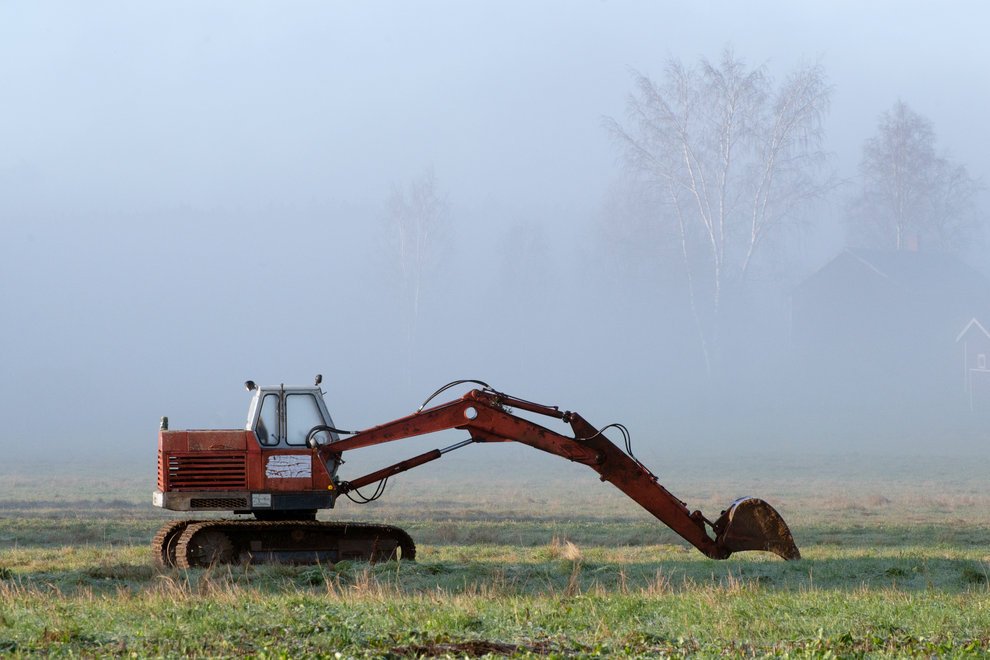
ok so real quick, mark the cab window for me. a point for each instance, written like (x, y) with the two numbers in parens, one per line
(302, 413)
(268, 430)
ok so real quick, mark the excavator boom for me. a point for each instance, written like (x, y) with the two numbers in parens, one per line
(748, 524)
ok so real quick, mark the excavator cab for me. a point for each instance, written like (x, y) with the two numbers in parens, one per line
(289, 418)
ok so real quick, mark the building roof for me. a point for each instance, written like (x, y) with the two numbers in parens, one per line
(973, 325)
(914, 271)
(917, 274)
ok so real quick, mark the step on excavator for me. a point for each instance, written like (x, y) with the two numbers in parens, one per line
(283, 467)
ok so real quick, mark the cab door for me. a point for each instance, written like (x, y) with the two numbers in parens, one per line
(284, 421)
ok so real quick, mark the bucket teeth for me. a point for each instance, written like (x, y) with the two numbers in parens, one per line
(752, 524)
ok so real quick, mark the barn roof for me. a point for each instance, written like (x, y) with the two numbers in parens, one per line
(916, 271)
(973, 325)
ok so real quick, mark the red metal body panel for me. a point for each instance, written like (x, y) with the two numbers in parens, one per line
(228, 460)
(180, 441)
(292, 470)
(205, 460)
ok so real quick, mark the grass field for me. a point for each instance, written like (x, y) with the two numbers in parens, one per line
(545, 563)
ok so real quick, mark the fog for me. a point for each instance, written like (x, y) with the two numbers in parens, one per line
(193, 195)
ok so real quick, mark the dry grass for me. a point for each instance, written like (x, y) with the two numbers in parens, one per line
(544, 563)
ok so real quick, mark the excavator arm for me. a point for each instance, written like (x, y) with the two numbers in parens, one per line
(748, 524)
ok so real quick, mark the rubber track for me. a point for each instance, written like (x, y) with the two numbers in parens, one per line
(343, 529)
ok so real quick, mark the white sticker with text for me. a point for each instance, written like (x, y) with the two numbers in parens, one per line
(286, 466)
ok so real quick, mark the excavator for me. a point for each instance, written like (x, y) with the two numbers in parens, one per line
(283, 467)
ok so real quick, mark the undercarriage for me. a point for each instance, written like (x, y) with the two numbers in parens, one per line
(200, 543)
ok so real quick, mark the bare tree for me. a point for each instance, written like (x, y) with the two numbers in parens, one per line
(909, 190)
(417, 219)
(730, 161)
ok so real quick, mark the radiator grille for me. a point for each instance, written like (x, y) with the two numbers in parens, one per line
(209, 472)
(161, 472)
(224, 503)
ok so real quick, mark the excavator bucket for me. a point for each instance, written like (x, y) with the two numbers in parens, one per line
(752, 524)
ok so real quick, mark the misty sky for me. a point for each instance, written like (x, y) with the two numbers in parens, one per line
(194, 193)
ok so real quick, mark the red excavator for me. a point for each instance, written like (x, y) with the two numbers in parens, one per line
(282, 468)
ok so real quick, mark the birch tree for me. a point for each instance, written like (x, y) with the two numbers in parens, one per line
(417, 220)
(730, 160)
(908, 190)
